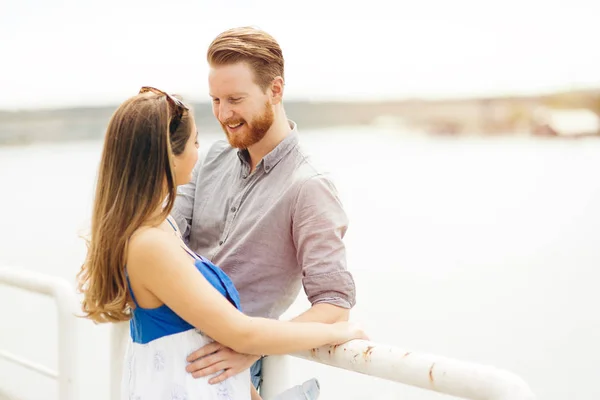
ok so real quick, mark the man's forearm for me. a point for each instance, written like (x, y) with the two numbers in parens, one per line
(323, 312)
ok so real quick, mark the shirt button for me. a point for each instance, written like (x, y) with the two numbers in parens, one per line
(267, 168)
(220, 243)
(233, 209)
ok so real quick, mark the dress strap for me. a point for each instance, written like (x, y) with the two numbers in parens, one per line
(170, 223)
(194, 255)
(130, 289)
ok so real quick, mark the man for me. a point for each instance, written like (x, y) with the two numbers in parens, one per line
(257, 207)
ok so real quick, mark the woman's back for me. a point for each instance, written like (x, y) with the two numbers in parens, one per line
(160, 342)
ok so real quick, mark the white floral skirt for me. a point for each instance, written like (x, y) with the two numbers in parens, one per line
(156, 371)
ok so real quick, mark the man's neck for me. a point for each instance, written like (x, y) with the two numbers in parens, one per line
(278, 131)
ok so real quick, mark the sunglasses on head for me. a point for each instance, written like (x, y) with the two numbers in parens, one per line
(177, 106)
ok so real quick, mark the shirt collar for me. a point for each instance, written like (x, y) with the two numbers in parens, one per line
(274, 156)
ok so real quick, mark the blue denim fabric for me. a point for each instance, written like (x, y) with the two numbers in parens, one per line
(256, 374)
(311, 389)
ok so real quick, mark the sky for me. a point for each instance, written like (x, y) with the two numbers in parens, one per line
(81, 53)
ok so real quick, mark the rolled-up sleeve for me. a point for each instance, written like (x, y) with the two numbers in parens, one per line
(319, 224)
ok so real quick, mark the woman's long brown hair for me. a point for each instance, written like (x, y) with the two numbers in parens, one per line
(135, 164)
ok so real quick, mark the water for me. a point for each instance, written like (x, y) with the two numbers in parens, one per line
(479, 249)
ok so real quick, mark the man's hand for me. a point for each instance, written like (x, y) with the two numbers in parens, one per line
(215, 357)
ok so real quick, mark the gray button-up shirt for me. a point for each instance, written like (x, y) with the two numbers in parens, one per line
(270, 230)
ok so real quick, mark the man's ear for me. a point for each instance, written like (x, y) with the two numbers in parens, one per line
(277, 90)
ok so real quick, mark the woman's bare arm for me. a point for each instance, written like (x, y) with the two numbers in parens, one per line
(155, 258)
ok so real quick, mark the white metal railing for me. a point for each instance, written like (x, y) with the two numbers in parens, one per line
(66, 303)
(444, 375)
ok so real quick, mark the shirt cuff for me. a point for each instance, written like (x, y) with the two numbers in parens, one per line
(336, 288)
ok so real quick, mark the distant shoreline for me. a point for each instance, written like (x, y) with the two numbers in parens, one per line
(496, 115)
(433, 100)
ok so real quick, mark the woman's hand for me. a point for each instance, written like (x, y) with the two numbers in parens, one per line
(349, 331)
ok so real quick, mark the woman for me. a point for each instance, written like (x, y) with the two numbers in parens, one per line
(139, 269)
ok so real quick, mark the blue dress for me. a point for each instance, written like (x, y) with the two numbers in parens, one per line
(155, 360)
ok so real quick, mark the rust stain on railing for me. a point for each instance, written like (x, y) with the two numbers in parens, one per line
(431, 373)
(367, 353)
(314, 352)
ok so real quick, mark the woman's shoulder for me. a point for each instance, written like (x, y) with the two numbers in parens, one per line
(151, 245)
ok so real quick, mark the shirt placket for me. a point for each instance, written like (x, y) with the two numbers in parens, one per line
(237, 202)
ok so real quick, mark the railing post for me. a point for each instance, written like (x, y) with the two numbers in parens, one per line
(118, 341)
(67, 340)
(66, 304)
(276, 376)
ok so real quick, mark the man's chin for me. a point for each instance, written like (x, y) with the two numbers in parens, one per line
(238, 140)
(236, 143)
(243, 138)
(230, 138)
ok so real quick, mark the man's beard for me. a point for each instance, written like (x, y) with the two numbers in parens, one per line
(252, 133)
